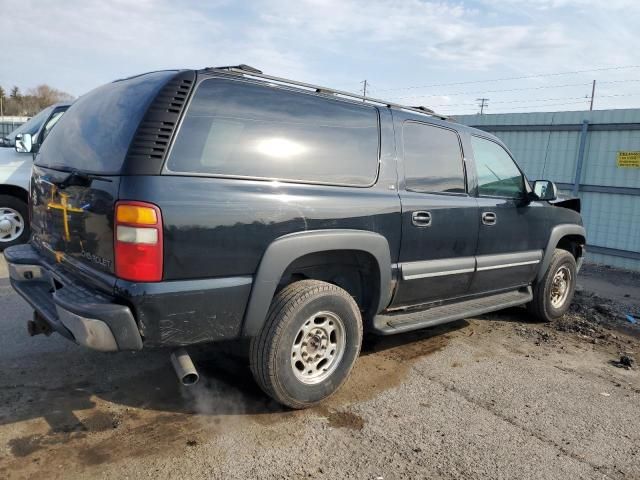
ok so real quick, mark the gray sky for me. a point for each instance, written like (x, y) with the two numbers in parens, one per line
(454, 52)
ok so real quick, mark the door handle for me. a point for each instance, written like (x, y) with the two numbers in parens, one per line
(421, 219)
(489, 218)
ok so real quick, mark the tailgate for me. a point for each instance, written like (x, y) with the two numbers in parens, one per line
(74, 222)
(76, 174)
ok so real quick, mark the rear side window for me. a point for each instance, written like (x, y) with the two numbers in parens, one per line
(432, 159)
(236, 128)
(498, 175)
(94, 134)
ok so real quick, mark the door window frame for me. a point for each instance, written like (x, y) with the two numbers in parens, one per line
(525, 181)
(465, 175)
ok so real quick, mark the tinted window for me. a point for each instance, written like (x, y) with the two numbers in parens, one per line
(32, 125)
(498, 175)
(432, 159)
(95, 133)
(241, 129)
(50, 124)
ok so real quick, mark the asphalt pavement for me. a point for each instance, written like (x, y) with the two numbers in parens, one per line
(492, 397)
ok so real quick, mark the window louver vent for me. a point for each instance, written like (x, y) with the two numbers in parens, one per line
(149, 146)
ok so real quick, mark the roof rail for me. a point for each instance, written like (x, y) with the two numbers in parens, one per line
(248, 71)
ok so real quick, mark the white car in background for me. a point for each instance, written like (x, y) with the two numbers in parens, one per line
(15, 173)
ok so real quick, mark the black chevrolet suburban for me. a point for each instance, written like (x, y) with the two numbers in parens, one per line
(185, 207)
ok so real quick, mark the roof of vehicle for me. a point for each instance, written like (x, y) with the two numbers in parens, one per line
(62, 104)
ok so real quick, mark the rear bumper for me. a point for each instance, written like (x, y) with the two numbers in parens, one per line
(84, 315)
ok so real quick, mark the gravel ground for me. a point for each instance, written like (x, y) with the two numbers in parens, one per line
(489, 397)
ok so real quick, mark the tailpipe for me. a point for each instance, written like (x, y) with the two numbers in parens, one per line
(38, 326)
(183, 365)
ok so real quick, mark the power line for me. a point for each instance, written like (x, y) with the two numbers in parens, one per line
(544, 105)
(523, 77)
(548, 105)
(536, 100)
(498, 91)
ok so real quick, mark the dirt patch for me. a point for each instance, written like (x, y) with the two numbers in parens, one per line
(539, 336)
(590, 313)
(345, 419)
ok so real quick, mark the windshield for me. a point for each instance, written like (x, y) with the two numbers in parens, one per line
(94, 134)
(32, 125)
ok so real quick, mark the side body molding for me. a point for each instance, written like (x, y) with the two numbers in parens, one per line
(285, 250)
(557, 233)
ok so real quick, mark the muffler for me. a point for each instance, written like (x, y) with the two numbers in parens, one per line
(183, 365)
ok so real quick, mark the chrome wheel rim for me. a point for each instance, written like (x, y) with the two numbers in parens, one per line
(560, 287)
(11, 224)
(318, 347)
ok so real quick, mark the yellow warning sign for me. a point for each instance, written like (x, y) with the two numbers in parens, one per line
(628, 159)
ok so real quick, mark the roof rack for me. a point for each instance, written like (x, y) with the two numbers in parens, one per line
(248, 71)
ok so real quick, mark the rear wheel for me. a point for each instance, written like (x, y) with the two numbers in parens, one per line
(14, 225)
(308, 345)
(553, 294)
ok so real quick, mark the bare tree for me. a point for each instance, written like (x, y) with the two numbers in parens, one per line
(33, 101)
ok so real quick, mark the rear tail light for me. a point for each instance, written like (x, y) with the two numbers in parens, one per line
(138, 241)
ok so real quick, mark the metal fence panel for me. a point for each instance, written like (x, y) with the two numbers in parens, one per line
(8, 126)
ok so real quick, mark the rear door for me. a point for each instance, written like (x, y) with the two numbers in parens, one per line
(513, 230)
(439, 218)
(76, 174)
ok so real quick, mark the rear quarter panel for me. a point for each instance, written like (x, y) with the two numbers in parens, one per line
(215, 227)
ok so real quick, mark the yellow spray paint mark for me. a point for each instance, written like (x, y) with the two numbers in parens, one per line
(64, 206)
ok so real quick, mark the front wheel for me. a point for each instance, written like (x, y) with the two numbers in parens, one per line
(14, 225)
(308, 345)
(553, 294)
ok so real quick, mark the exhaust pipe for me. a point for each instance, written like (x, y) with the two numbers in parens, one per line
(38, 326)
(183, 365)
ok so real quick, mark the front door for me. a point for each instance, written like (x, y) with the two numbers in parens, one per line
(513, 232)
(439, 218)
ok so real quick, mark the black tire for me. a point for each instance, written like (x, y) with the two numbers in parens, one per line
(271, 353)
(542, 307)
(19, 206)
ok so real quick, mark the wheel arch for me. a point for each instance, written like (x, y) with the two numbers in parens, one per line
(284, 251)
(561, 236)
(14, 191)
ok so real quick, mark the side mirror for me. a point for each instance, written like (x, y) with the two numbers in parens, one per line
(545, 190)
(24, 143)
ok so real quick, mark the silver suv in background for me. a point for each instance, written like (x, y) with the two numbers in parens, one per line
(15, 173)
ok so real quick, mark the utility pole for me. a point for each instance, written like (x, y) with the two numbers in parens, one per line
(364, 90)
(484, 102)
(593, 92)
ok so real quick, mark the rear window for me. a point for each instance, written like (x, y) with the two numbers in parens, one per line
(95, 133)
(241, 129)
